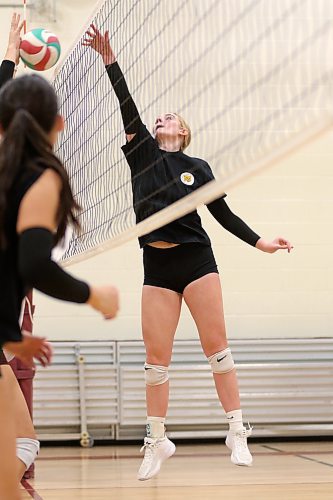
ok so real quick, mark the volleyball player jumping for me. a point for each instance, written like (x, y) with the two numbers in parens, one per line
(36, 204)
(178, 264)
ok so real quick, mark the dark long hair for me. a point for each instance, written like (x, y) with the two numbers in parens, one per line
(28, 110)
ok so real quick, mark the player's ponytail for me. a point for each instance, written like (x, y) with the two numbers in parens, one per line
(28, 110)
(187, 138)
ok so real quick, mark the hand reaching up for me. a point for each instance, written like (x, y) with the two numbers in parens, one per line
(100, 43)
(13, 49)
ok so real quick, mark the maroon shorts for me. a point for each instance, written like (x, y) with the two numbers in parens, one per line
(3, 360)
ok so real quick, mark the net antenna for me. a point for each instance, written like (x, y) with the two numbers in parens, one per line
(254, 79)
(25, 2)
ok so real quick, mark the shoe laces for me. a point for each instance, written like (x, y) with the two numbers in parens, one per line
(149, 448)
(240, 438)
(149, 444)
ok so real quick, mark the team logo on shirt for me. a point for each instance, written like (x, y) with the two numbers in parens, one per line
(187, 178)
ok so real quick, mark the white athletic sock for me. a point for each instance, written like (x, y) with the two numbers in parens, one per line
(155, 427)
(235, 420)
(27, 450)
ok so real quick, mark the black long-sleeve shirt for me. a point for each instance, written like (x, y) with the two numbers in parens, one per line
(159, 178)
(7, 69)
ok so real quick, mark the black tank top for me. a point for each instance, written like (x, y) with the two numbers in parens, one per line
(12, 288)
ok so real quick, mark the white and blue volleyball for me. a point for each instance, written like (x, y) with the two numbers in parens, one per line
(40, 49)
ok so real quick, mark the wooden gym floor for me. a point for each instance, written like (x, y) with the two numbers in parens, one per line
(283, 471)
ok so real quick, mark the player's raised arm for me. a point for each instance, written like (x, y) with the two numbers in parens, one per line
(12, 55)
(101, 44)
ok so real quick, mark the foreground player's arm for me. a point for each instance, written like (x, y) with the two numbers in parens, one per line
(232, 223)
(36, 225)
(130, 115)
(7, 69)
(11, 58)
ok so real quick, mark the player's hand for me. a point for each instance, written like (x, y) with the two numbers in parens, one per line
(31, 348)
(105, 299)
(13, 49)
(100, 43)
(275, 245)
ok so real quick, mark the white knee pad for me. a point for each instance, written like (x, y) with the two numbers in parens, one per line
(27, 450)
(156, 374)
(222, 361)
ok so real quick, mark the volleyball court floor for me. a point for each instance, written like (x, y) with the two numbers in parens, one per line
(281, 470)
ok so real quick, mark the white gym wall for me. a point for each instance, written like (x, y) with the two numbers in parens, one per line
(269, 296)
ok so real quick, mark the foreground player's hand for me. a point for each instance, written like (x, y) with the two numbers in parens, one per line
(31, 348)
(13, 49)
(272, 246)
(105, 299)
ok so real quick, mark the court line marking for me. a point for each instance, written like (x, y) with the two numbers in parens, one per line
(302, 455)
(153, 486)
(29, 489)
(183, 455)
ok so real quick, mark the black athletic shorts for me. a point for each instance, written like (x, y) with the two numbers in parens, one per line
(176, 267)
(3, 360)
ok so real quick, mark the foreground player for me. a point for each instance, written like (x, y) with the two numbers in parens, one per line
(178, 263)
(27, 445)
(36, 204)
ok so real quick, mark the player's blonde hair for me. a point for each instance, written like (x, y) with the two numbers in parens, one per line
(187, 138)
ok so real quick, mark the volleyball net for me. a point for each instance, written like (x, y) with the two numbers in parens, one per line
(253, 78)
